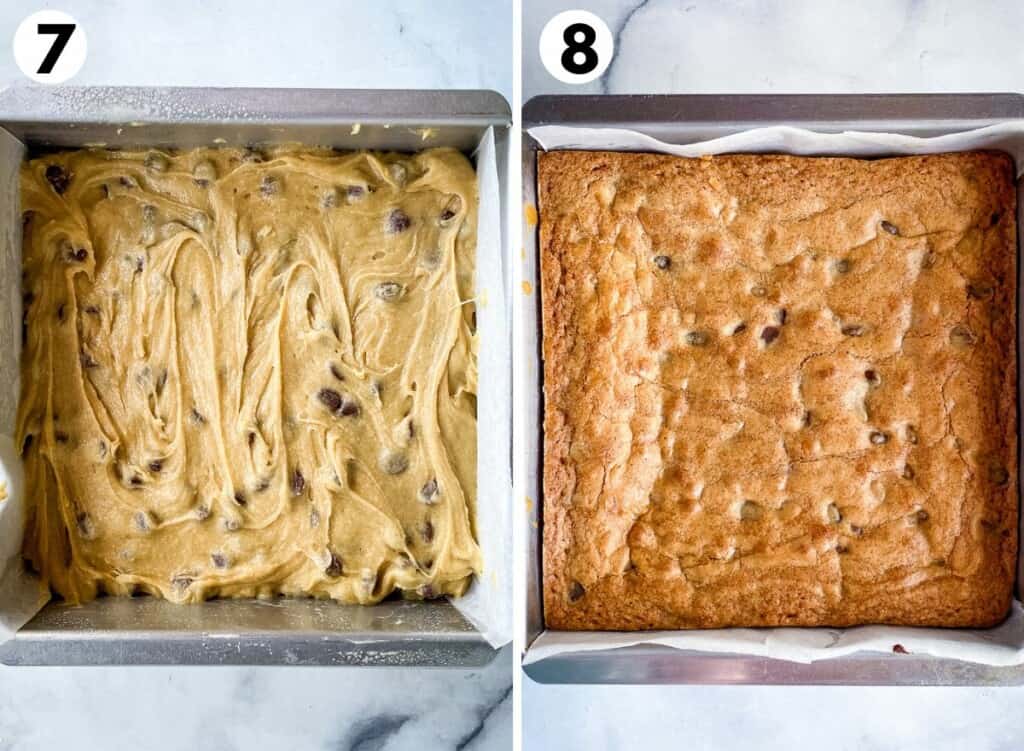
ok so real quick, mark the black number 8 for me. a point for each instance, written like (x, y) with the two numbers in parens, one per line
(585, 46)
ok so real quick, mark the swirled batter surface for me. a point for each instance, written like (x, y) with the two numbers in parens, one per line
(250, 373)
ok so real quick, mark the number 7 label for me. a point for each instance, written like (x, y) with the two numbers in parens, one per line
(49, 46)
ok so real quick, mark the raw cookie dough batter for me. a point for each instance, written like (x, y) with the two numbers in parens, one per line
(248, 373)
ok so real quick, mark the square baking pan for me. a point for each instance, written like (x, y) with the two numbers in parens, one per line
(691, 119)
(145, 630)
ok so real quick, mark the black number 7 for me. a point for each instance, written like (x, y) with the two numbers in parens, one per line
(63, 32)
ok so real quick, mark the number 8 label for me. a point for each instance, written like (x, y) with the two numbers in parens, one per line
(576, 47)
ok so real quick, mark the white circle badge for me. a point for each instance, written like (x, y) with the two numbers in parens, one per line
(49, 46)
(576, 46)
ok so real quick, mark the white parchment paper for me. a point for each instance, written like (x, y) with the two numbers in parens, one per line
(1000, 646)
(487, 604)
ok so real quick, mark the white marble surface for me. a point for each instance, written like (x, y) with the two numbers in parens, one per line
(728, 46)
(443, 44)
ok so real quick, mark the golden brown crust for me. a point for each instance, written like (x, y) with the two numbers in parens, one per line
(778, 390)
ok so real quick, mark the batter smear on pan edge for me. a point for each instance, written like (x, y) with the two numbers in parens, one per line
(250, 373)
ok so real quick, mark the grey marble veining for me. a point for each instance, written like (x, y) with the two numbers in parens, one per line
(444, 44)
(799, 46)
(245, 709)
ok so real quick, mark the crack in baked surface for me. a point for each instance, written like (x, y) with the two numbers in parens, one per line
(248, 373)
(778, 390)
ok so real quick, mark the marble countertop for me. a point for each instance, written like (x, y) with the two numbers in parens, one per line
(149, 42)
(732, 46)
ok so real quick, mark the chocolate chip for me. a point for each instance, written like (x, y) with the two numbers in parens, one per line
(429, 492)
(92, 310)
(872, 377)
(697, 338)
(994, 219)
(262, 486)
(394, 463)
(334, 569)
(878, 437)
(780, 316)
(336, 372)
(663, 262)
(354, 192)
(842, 548)
(202, 513)
(398, 173)
(349, 409)
(219, 560)
(196, 417)
(182, 581)
(269, 186)
(899, 649)
(427, 592)
(60, 311)
(232, 525)
(979, 290)
(58, 178)
(911, 434)
(156, 162)
(920, 516)
(890, 227)
(960, 337)
(808, 419)
(740, 328)
(834, 514)
(60, 436)
(998, 475)
(330, 399)
(843, 266)
(856, 530)
(251, 439)
(751, 511)
(156, 465)
(78, 254)
(331, 198)
(388, 291)
(853, 329)
(298, 483)
(240, 498)
(397, 221)
(85, 525)
(427, 531)
(451, 210)
(908, 472)
(136, 480)
(769, 334)
(27, 444)
(576, 591)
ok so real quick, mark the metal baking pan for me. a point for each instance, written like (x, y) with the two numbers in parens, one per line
(112, 631)
(689, 119)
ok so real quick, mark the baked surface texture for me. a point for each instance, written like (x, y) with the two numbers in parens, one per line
(250, 373)
(778, 390)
